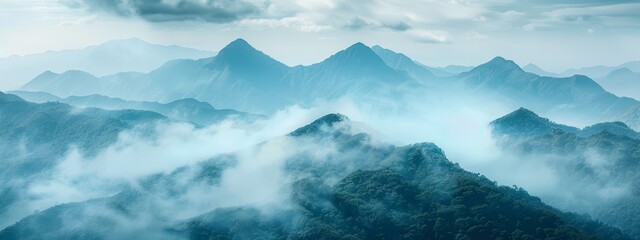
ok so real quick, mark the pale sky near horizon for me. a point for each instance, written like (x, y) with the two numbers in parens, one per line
(555, 35)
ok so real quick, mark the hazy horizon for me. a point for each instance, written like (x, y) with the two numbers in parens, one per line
(553, 35)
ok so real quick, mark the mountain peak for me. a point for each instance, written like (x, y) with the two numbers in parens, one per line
(238, 44)
(358, 54)
(331, 119)
(242, 55)
(191, 102)
(497, 65)
(320, 125)
(525, 121)
(498, 59)
(359, 49)
(358, 46)
(500, 63)
(523, 112)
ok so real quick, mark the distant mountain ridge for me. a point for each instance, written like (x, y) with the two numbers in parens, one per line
(186, 110)
(524, 122)
(601, 71)
(239, 77)
(532, 68)
(104, 59)
(576, 96)
(588, 160)
(622, 82)
(243, 78)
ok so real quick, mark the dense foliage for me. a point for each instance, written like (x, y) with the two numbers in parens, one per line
(34, 137)
(355, 189)
(599, 164)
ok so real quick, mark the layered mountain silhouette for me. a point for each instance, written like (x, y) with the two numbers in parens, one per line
(239, 77)
(524, 122)
(601, 71)
(362, 191)
(243, 78)
(325, 180)
(532, 68)
(622, 82)
(184, 110)
(571, 96)
(597, 166)
(100, 60)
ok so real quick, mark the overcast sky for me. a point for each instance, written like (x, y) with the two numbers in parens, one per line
(552, 34)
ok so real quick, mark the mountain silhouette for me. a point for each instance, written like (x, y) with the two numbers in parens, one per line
(108, 58)
(239, 77)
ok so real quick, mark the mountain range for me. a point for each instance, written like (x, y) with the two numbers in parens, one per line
(622, 82)
(329, 179)
(35, 136)
(619, 80)
(595, 72)
(243, 78)
(601, 71)
(239, 77)
(360, 191)
(597, 167)
(183, 110)
(577, 97)
(111, 57)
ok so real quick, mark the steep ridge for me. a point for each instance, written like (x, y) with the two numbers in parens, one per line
(400, 62)
(346, 193)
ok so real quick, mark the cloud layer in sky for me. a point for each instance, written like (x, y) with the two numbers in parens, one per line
(218, 11)
(376, 14)
(555, 35)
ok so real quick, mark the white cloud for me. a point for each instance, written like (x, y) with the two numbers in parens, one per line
(426, 36)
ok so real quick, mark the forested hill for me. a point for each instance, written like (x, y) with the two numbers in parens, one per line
(340, 185)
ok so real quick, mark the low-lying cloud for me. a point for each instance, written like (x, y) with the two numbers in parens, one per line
(256, 176)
